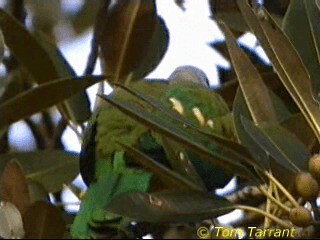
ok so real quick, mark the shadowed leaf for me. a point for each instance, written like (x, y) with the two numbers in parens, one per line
(42, 97)
(48, 224)
(284, 147)
(254, 90)
(168, 129)
(130, 29)
(304, 15)
(50, 168)
(177, 206)
(14, 186)
(172, 179)
(291, 70)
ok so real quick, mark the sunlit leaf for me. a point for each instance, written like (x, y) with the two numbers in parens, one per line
(48, 224)
(254, 90)
(179, 134)
(291, 70)
(50, 168)
(175, 206)
(2, 46)
(11, 225)
(129, 30)
(42, 97)
(14, 186)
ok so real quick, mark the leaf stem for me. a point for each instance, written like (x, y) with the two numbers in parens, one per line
(285, 192)
(266, 214)
(269, 196)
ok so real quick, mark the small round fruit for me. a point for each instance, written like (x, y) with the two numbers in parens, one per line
(300, 217)
(314, 166)
(306, 186)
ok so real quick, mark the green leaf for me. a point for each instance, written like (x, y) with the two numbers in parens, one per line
(168, 177)
(169, 207)
(180, 162)
(179, 134)
(254, 89)
(228, 11)
(110, 184)
(240, 109)
(41, 67)
(50, 168)
(48, 225)
(130, 30)
(77, 107)
(304, 15)
(298, 125)
(291, 70)
(42, 97)
(284, 147)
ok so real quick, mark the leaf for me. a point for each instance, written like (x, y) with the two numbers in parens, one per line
(240, 109)
(168, 177)
(36, 191)
(41, 97)
(50, 168)
(254, 90)
(156, 50)
(228, 11)
(48, 224)
(318, 4)
(77, 107)
(180, 162)
(14, 186)
(170, 206)
(180, 135)
(41, 67)
(291, 70)
(128, 32)
(109, 185)
(180, 4)
(304, 15)
(298, 125)
(46, 65)
(284, 147)
(11, 225)
(2, 46)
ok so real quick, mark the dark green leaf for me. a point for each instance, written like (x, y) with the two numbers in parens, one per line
(291, 70)
(240, 109)
(77, 107)
(172, 207)
(169, 177)
(304, 15)
(284, 147)
(298, 125)
(42, 97)
(128, 34)
(48, 224)
(179, 134)
(50, 168)
(253, 88)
